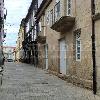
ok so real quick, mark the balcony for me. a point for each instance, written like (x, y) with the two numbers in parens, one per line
(65, 23)
(62, 21)
(41, 38)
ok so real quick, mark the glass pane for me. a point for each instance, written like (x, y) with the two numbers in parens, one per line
(78, 56)
(69, 6)
(69, 11)
(78, 36)
(78, 43)
(78, 49)
(57, 10)
(69, 1)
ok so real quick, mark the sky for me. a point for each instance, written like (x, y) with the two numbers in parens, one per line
(16, 11)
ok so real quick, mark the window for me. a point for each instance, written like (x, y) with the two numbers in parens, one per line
(35, 32)
(48, 17)
(40, 26)
(51, 17)
(68, 7)
(27, 27)
(57, 1)
(33, 18)
(30, 23)
(78, 47)
(57, 11)
(44, 25)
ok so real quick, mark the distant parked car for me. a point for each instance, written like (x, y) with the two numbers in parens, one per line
(10, 60)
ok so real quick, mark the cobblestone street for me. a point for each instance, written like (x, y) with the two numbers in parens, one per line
(24, 82)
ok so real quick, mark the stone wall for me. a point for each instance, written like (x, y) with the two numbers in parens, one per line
(79, 72)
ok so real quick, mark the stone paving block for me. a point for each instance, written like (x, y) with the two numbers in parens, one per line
(25, 82)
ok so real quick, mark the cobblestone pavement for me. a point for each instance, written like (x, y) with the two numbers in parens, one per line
(24, 82)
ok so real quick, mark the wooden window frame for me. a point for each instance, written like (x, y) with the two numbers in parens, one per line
(51, 17)
(56, 12)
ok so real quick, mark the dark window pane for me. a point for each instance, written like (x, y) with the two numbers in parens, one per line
(78, 56)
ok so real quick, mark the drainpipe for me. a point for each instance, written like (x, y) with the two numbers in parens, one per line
(93, 48)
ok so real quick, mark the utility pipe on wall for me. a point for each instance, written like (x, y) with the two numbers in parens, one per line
(93, 48)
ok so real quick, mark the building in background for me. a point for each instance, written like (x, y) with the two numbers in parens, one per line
(19, 47)
(26, 44)
(26, 49)
(68, 39)
(3, 13)
(9, 53)
(63, 37)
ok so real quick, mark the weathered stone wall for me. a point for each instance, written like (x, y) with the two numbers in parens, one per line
(52, 41)
(82, 70)
(78, 71)
(41, 55)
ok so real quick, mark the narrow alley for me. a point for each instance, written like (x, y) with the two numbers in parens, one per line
(25, 82)
(49, 50)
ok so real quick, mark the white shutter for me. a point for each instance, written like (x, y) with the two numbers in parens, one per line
(40, 26)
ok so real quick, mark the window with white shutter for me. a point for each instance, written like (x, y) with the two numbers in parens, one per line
(40, 26)
(78, 47)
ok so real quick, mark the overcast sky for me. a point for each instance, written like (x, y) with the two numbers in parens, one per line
(16, 10)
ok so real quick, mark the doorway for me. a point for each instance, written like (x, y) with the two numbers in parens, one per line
(46, 56)
(62, 56)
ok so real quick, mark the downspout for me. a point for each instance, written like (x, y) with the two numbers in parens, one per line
(36, 44)
(93, 48)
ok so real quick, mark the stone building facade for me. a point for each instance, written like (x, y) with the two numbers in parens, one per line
(17, 49)
(64, 40)
(9, 53)
(19, 46)
(29, 43)
(3, 13)
(26, 49)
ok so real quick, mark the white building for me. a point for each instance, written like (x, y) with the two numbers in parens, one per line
(9, 53)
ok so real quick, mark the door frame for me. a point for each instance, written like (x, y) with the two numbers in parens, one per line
(46, 58)
(63, 38)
